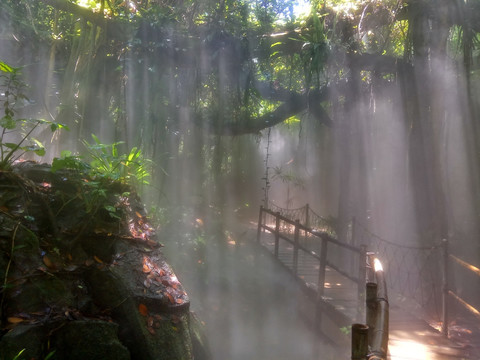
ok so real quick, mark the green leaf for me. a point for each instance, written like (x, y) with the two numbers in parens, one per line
(6, 68)
(50, 355)
(18, 355)
(37, 147)
(8, 122)
(39, 151)
(11, 146)
(54, 126)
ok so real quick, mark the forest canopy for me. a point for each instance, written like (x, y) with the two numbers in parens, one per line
(175, 77)
(267, 63)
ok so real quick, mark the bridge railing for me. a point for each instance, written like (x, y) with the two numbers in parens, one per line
(317, 246)
(428, 280)
(470, 274)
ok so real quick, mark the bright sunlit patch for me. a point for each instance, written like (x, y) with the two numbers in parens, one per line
(377, 265)
(407, 350)
(302, 8)
(89, 4)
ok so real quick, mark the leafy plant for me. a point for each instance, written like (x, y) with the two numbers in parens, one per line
(107, 163)
(346, 330)
(129, 168)
(17, 130)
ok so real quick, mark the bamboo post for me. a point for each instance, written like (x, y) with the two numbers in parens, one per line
(379, 343)
(277, 233)
(295, 246)
(445, 287)
(371, 311)
(259, 229)
(359, 342)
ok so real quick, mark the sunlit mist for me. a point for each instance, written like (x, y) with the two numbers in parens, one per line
(355, 124)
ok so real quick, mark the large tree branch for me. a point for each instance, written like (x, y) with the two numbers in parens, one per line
(293, 104)
(71, 8)
(119, 30)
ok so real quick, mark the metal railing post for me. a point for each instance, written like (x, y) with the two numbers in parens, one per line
(353, 241)
(445, 287)
(295, 247)
(362, 274)
(307, 216)
(277, 233)
(259, 229)
(321, 272)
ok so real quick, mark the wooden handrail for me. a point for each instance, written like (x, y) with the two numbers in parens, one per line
(308, 230)
(465, 264)
(447, 292)
(325, 239)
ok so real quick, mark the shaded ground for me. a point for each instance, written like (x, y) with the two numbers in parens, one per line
(249, 303)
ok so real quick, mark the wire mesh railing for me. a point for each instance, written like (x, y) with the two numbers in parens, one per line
(420, 278)
(414, 272)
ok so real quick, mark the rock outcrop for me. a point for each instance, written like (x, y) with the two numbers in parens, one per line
(83, 274)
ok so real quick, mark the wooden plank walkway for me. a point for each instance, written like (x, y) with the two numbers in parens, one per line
(409, 336)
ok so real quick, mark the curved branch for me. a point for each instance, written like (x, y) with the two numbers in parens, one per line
(293, 104)
(117, 29)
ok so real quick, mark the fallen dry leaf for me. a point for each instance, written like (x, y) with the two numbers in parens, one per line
(143, 309)
(14, 320)
(97, 259)
(48, 263)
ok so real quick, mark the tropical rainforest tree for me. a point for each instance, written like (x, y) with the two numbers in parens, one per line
(182, 78)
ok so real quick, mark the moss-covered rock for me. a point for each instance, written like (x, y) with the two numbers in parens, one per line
(83, 273)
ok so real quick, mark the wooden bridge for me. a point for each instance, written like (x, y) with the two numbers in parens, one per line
(338, 277)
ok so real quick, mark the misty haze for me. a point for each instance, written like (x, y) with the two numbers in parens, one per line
(239, 179)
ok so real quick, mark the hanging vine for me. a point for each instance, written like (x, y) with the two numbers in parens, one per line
(266, 178)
